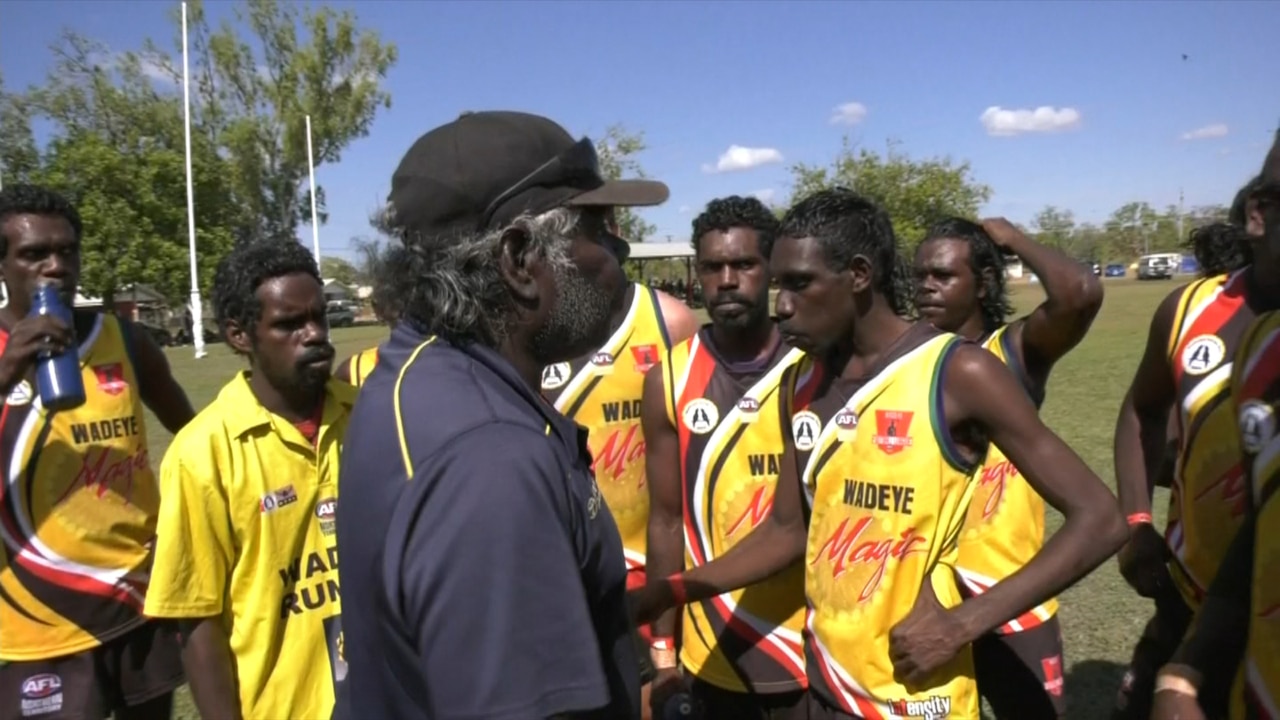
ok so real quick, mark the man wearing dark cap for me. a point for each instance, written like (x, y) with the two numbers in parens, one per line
(484, 577)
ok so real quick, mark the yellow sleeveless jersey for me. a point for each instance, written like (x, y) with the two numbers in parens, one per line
(362, 363)
(888, 493)
(1005, 525)
(1208, 496)
(79, 508)
(247, 533)
(1256, 391)
(731, 444)
(601, 392)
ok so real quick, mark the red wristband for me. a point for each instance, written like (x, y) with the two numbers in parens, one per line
(663, 643)
(676, 583)
(1139, 518)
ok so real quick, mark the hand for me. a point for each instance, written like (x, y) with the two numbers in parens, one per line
(650, 601)
(1144, 561)
(926, 639)
(30, 336)
(667, 682)
(1172, 705)
(1002, 232)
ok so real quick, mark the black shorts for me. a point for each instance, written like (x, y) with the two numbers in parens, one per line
(715, 703)
(130, 670)
(1160, 639)
(1020, 674)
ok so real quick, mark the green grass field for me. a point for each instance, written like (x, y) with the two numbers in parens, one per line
(1101, 617)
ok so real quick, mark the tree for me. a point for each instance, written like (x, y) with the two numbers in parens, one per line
(915, 192)
(1054, 227)
(337, 269)
(1131, 227)
(617, 150)
(118, 152)
(19, 158)
(252, 96)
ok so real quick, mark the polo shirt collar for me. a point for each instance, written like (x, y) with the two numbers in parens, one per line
(569, 432)
(249, 414)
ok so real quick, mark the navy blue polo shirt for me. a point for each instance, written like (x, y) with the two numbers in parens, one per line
(482, 574)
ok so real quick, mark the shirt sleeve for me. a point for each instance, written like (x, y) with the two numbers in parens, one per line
(491, 588)
(194, 542)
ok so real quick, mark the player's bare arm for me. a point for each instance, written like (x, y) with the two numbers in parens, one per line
(206, 655)
(1218, 635)
(343, 371)
(1141, 444)
(982, 397)
(665, 554)
(1073, 296)
(680, 321)
(776, 543)
(160, 391)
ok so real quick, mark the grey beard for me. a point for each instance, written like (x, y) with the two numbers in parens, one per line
(579, 321)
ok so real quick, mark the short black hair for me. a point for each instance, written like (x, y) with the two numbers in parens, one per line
(846, 225)
(987, 263)
(24, 199)
(736, 211)
(244, 269)
(1236, 215)
(1220, 247)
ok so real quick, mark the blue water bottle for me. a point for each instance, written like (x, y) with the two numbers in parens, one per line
(58, 377)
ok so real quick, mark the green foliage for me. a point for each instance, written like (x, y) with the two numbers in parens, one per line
(618, 149)
(914, 192)
(19, 157)
(335, 268)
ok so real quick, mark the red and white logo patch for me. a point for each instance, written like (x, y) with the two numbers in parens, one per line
(893, 430)
(110, 378)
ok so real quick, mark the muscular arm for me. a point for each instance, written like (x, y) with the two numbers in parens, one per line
(206, 655)
(665, 550)
(680, 320)
(1073, 296)
(979, 390)
(1216, 640)
(1142, 426)
(343, 371)
(160, 391)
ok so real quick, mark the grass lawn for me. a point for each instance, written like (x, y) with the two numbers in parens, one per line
(1101, 617)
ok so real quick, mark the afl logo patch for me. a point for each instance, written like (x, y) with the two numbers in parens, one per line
(20, 394)
(749, 409)
(602, 359)
(700, 416)
(1257, 426)
(805, 427)
(555, 376)
(846, 423)
(1202, 354)
(326, 513)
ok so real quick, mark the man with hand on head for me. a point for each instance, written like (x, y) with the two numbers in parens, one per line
(713, 445)
(495, 586)
(246, 558)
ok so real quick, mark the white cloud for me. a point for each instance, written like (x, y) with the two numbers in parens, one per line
(850, 113)
(1000, 122)
(1215, 130)
(765, 196)
(685, 210)
(738, 158)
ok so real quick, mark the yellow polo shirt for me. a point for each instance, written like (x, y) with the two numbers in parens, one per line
(246, 531)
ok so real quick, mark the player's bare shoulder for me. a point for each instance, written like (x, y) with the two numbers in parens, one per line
(681, 321)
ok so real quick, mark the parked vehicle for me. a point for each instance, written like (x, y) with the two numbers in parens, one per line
(1114, 270)
(340, 314)
(1158, 267)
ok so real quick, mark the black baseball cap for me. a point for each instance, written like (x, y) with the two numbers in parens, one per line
(486, 168)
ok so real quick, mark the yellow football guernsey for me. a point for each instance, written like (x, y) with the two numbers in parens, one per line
(728, 419)
(888, 491)
(1208, 494)
(1004, 528)
(1256, 391)
(601, 391)
(79, 508)
(362, 363)
(247, 533)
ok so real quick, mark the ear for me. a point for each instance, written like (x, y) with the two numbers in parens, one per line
(237, 337)
(988, 277)
(1255, 221)
(861, 274)
(515, 261)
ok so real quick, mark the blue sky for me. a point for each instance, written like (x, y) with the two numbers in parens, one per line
(1125, 116)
